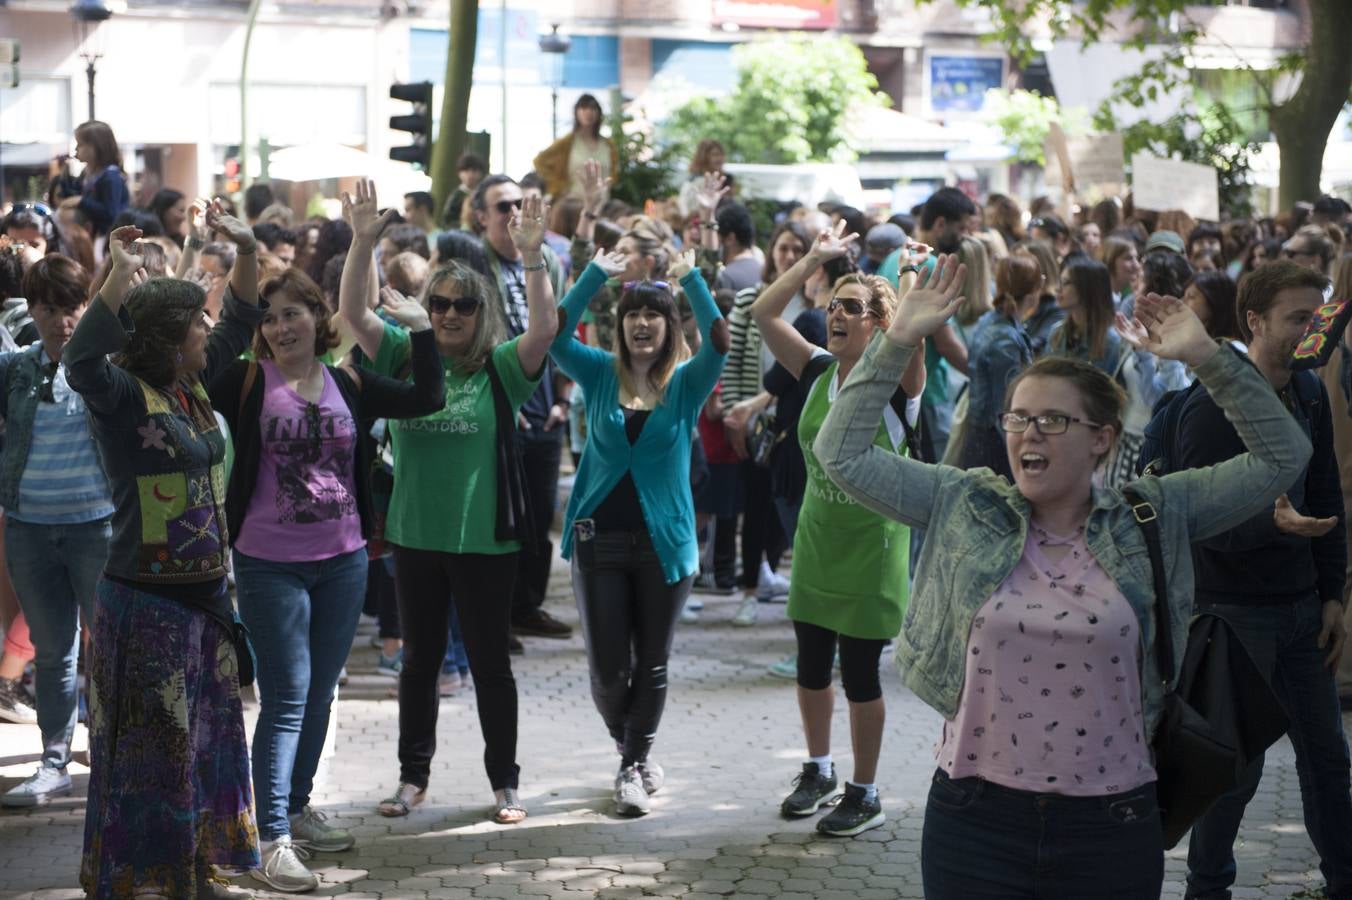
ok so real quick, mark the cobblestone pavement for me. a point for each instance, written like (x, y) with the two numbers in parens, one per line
(730, 743)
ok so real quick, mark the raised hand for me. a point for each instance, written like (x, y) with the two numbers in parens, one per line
(594, 187)
(197, 220)
(930, 303)
(404, 310)
(611, 263)
(363, 213)
(122, 245)
(527, 227)
(913, 253)
(235, 231)
(684, 265)
(832, 243)
(1166, 327)
(712, 190)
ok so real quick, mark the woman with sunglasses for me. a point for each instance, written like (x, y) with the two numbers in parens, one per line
(457, 516)
(1031, 623)
(849, 564)
(300, 501)
(630, 524)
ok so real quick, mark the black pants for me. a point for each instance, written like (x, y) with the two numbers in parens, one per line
(381, 601)
(762, 536)
(858, 662)
(628, 614)
(482, 584)
(541, 453)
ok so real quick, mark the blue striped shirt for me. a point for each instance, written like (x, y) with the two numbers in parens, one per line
(63, 481)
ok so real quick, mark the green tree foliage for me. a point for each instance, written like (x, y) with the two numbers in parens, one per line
(646, 171)
(788, 105)
(1025, 118)
(1300, 123)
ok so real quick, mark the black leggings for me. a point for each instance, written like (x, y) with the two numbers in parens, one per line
(628, 616)
(762, 535)
(482, 585)
(858, 662)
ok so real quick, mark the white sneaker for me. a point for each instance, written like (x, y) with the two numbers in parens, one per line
(630, 797)
(689, 615)
(652, 775)
(38, 790)
(747, 611)
(282, 869)
(309, 829)
(771, 585)
(15, 704)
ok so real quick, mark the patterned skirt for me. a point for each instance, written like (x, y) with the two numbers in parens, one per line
(169, 788)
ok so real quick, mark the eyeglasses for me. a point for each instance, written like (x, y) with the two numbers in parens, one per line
(660, 285)
(464, 306)
(506, 206)
(1051, 423)
(853, 308)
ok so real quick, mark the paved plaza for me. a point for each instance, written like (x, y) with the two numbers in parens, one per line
(730, 743)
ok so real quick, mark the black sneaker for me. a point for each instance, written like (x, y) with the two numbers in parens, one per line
(853, 815)
(811, 790)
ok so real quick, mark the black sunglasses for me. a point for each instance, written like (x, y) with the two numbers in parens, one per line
(464, 306)
(506, 206)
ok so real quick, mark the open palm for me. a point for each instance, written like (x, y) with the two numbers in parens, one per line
(362, 212)
(832, 243)
(528, 225)
(1166, 327)
(930, 303)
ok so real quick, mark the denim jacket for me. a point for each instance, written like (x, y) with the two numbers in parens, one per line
(20, 393)
(977, 522)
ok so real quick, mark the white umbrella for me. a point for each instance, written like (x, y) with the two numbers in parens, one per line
(320, 162)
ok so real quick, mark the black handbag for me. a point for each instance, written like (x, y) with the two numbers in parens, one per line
(1219, 715)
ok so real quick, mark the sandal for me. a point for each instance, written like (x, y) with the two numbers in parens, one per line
(509, 810)
(405, 797)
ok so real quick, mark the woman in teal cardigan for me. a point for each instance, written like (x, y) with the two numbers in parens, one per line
(631, 520)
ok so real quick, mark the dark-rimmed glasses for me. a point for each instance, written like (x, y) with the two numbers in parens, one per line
(1049, 423)
(463, 306)
(506, 206)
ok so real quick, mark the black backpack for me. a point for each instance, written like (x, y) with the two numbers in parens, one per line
(1161, 434)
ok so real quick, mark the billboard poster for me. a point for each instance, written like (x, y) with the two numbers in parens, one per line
(957, 82)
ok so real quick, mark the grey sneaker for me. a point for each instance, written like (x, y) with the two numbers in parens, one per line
(309, 829)
(215, 886)
(282, 869)
(745, 616)
(652, 775)
(14, 703)
(39, 790)
(630, 797)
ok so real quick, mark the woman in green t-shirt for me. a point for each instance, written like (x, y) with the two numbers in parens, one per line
(457, 515)
(849, 583)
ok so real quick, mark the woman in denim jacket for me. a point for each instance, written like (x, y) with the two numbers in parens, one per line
(1030, 626)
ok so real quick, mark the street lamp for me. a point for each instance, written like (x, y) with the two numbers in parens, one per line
(87, 15)
(556, 45)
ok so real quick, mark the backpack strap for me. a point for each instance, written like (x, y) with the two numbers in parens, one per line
(250, 376)
(1148, 521)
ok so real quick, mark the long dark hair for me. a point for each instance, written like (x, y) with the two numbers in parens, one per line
(163, 311)
(1094, 289)
(100, 136)
(584, 101)
(657, 297)
(1219, 291)
(768, 274)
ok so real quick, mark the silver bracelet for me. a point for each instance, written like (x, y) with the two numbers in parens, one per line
(540, 267)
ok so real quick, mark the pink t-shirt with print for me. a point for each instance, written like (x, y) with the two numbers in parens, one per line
(304, 504)
(1052, 697)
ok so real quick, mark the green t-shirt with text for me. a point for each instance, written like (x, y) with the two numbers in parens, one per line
(445, 465)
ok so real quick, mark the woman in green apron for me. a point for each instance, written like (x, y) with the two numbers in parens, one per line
(849, 583)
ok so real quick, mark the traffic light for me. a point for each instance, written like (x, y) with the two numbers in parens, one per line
(418, 124)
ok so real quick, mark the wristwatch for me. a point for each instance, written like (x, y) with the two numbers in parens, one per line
(909, 268)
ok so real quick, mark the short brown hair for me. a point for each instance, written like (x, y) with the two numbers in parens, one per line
(1015, 278)
(1103, 397)
(296, 285)
(1258, 289)
(58, 281)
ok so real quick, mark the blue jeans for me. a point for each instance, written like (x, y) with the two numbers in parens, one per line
(1284, 643)
(301, 618)
(55, 570)
(982, 841)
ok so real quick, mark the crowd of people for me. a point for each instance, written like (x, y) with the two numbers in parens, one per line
(229, 433)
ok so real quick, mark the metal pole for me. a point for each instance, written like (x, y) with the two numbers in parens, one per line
(244, 97)
(89, 73)
(554, 106)
(502, 60)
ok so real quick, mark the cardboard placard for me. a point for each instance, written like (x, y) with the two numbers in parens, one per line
(1096, 163)
(1164, 184)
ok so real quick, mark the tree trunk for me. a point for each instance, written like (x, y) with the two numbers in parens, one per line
(1302, 124)
(455, 98)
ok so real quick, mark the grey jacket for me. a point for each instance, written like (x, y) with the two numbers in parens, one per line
(977, 522)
